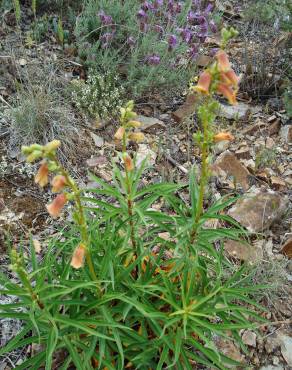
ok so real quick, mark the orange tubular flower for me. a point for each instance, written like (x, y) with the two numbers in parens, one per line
(227, 92)
(56, 206)
(42, 175)
(221, 136)
(77, 260)
(204, 83)
(58, 183)
(119, 133)
(223, 61)
(229, 78)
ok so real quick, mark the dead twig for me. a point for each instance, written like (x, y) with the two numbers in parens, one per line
(175, 163)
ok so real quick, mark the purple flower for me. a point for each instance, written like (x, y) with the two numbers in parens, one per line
(213, 26)
(106, 38)
(178, 8)
(186, 34)
(191, 16)
(144, 27)
(153, 59)
(147, 6)
(159, 29)
(172, 42)
(157, 3)
(208, 9)
(142, 14)
(193, 51)
(105, 19)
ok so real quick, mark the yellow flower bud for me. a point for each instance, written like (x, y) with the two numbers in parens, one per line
(52, 146)
(134, 124)
(137, 136)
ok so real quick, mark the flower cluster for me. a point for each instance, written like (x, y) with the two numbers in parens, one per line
(49, 165)
(100, 96)
(127, 132)
(221, 79)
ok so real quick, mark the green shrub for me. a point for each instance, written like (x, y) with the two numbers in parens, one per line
(147, 50)
(144, 288)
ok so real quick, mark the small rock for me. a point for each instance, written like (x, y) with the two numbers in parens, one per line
(96, 161)
(149, 124)
(221, 146)
(203, 60)
(274, 128)
(271, 367)
(257, 211)
(243, 251)
(239, 111)
(289, 266)
(277, 183)
(187, 109)
(164, 117)
(270, 143)
(243, 153)
(229, 349)
(249, 338)
(286, 348)
(228, 163)
(251, 130)
(272, 343)
(144, 152)
(286, 133)
(98, 140)
(287, 248)
(272, 118)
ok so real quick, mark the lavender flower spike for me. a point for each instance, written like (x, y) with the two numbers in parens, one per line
(172, 42)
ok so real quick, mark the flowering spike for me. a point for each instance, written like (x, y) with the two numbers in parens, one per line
(42, 175)
(56, 206)
(77, 260)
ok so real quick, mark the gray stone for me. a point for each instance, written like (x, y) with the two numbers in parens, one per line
(149, 124)
(239, 111)
(258, 211)
(229, 164)
(98, 140)
(286, 348)
(271, 367)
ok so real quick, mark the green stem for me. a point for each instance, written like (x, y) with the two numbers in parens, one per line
(203, 178)
(129, 197)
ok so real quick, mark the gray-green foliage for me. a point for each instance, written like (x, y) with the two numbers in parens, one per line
(131, 61)
(271, 11)
(40, 113)
(160, 305)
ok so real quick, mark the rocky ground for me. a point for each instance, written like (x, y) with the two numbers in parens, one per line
(257, 164)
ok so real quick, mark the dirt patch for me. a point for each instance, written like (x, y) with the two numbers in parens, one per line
(20, 211)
